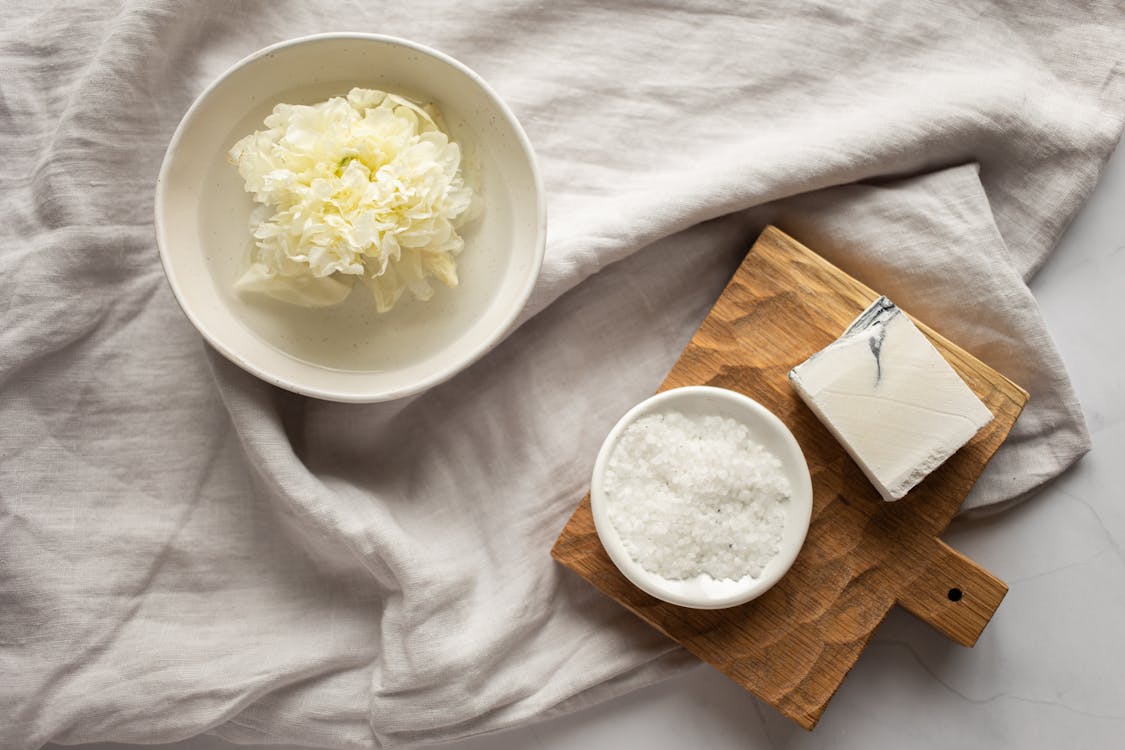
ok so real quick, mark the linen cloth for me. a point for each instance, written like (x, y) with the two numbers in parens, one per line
(185, 549)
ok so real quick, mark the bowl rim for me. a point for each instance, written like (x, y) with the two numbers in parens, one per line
(441, 374)
(733, 593)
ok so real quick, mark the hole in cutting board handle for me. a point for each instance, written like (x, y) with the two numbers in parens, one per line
(955, 595)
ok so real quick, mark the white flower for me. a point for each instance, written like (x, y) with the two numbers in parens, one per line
(366, 187)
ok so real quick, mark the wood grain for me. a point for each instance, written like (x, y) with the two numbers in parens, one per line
(793, 646)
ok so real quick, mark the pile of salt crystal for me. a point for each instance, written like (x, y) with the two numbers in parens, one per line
(691, 495)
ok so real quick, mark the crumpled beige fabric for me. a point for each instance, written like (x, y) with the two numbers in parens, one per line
(186, 549)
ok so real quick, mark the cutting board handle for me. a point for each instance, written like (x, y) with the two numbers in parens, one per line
(953, 593)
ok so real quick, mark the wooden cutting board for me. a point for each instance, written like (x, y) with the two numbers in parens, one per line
(792, 646)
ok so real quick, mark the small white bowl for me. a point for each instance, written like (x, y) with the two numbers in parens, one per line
(703, 591)
(349, 352)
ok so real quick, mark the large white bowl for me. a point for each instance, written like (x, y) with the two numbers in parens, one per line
(703, 591)
(348, 352)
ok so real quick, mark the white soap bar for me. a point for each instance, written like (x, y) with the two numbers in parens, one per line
(890, 398)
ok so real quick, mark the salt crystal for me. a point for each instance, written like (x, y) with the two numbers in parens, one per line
(691, 495)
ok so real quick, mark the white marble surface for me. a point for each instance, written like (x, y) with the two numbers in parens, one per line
(1049, 671)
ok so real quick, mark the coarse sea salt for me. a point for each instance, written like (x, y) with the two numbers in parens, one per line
(695, 494)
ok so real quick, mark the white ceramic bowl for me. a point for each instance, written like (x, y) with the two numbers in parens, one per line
(348, 352)
(703, 591)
